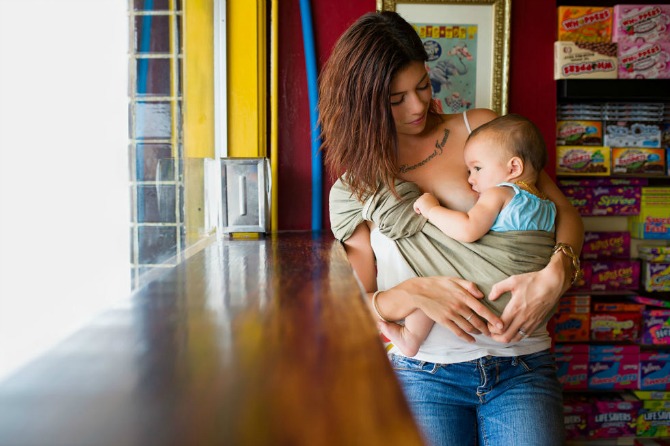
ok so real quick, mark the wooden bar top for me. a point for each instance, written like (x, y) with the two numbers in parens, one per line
(248, 342)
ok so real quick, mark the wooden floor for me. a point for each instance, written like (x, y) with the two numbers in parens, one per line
(249, 342)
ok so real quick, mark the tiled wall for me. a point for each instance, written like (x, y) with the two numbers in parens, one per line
(156, 152)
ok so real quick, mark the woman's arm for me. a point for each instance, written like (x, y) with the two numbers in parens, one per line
(448, 301)
(535, 295)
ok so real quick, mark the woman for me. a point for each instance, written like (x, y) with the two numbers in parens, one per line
(479, 378)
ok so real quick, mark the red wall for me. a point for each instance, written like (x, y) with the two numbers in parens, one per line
(532, 91)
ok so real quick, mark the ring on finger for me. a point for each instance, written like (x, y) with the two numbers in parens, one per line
(467, 319)
(522, 333)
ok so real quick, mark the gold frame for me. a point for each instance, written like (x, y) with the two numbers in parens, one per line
(500, 48)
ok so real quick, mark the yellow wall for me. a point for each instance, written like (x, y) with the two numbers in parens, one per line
(246, 78)
(198, 79)
(246, 91)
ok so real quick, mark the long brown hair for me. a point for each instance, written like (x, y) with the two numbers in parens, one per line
(357, 128)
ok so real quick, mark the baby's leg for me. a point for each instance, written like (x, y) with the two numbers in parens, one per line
(410, 336)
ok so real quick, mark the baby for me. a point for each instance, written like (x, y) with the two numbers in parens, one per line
(504, 158)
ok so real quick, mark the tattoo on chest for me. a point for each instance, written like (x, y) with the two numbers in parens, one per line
(439, 148)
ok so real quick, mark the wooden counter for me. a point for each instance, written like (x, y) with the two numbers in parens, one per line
(259, 342)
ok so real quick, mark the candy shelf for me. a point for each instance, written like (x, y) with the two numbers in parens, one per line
(608, 90)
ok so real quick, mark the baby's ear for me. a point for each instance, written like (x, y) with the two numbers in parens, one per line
(515, 166)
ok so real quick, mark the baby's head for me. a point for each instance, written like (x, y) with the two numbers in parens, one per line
(508, 148)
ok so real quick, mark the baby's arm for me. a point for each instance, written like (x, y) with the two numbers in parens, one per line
(465, 226)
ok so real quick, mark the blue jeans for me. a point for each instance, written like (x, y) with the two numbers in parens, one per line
(491, 401)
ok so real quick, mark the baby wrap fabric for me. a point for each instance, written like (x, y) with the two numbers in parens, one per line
(428, 251)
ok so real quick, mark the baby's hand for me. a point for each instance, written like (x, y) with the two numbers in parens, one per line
(425, 203)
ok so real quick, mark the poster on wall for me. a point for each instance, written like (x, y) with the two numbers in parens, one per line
(468, 43)
(452, 63)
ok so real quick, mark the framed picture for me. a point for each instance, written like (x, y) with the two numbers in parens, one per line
(468, 43)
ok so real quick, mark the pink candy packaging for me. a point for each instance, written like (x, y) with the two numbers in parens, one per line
(641, 60)
(645, 23)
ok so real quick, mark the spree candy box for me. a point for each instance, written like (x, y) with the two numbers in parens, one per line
(604, 200)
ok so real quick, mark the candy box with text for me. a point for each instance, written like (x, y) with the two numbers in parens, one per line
(638, 161)
(654, 371)
(644, 60)
(612, 275)
(583, 160)
(647, 23)
(604, 200)
(653, 253)
(615, 326)
(614, 417)
(613, 372)
(570, 327)
(613, 366)
(572, 370)
(585, 60)
(579, 133)
(583, 283)
(655, 327)
(628, 133)
(577, 412)
(598, 245)
(656, 276)
(585, 23)
(653, 220)
(653, 419)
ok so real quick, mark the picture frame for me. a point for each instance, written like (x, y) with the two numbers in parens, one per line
(478, 78)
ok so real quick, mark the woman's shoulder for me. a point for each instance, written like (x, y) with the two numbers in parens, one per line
(479, 116)
(470, 118)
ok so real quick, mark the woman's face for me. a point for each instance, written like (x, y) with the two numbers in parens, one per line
(411, 94)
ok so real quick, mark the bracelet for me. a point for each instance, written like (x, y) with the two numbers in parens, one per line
(376, 308)
(576, 265)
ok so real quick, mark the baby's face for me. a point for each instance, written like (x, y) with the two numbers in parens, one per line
(487, 163)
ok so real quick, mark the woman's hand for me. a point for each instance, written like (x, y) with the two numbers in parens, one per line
(452, 302)
(534, 297)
